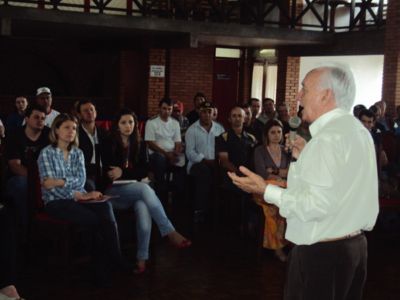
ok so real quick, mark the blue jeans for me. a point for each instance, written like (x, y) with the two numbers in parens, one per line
(142, 198)
(17, 190)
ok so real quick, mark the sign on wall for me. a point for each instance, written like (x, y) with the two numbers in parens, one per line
(157, 71)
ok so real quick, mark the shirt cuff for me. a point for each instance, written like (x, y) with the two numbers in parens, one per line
(273, 194)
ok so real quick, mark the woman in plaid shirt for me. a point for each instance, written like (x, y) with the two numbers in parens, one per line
(62, 174)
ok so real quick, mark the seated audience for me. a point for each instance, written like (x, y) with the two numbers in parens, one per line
(177, 114)
(386, 184)
(255, 107)
(256, 126)
(163, 137)
(383, 119)
(247, 115)
(193, 115)
(92, 143)
(16, 119)
(22, 150)
(268, 112)
(235, 146)
(44, 99)
(271, 161)
(378, 127)
(200, 152)
(283, 115)
(62, 175)
(357, 109)
(126, 159)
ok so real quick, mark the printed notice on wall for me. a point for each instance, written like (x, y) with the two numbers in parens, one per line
(157, 71)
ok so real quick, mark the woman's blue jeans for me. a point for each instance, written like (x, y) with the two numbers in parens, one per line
(144, 201)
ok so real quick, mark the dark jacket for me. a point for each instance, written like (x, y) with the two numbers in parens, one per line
(115, 155)
(87, 147)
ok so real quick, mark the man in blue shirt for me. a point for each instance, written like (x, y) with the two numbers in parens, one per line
(200, 151)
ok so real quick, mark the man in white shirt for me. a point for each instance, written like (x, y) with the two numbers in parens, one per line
(163, 137)
(268, 112)
(331, 195)
(200, 152)
(45, 100)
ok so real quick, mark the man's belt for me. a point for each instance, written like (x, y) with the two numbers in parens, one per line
(345, 237)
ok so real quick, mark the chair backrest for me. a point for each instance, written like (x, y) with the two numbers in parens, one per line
(105, 124)
(35, 201)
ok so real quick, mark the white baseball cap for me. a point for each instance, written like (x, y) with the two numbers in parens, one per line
(43, 90)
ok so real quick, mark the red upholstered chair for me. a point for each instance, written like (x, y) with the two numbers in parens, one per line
(42, 225)
(105, 124)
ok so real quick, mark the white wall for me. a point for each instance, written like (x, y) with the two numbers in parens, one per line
(367, 70)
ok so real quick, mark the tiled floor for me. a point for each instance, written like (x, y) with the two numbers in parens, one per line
(220, 265)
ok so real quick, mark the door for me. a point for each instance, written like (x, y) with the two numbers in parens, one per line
(225, 86)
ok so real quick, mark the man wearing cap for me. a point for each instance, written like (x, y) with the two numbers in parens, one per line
(193, 115)
(44, 99)
(200, 152)
(177, 114)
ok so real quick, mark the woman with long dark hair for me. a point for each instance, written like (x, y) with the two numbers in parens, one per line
(126, 162)
(272, 163)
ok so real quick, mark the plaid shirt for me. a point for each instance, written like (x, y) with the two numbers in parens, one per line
(52, 165)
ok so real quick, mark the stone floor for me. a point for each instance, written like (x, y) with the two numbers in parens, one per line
(219, 265)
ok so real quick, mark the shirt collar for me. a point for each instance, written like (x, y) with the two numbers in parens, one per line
(319, 123)
(201, 127)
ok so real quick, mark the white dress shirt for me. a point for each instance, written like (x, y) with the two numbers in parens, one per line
(200, 143)
(94, 139)
(333, 187)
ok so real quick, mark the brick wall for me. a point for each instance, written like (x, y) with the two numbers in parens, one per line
(391, 69)
(156, 85)
(288, 80)
(191, 71)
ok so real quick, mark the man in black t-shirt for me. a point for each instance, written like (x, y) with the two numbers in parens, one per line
(22, 150)
(193, 115)
(235, 147)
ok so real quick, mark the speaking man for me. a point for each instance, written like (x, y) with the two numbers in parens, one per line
(331, 195)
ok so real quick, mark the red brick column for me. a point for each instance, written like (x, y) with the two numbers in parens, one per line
(288, 80)
(391, 68)
(191, 71)
(245, 77)
(156, 88)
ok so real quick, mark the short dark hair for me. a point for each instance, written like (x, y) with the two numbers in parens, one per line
(253, 99)
(268, 99)
(244, 105)
(83, 102)
(167, 101)
(368, 113)
(199, 94)
(32, 107)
